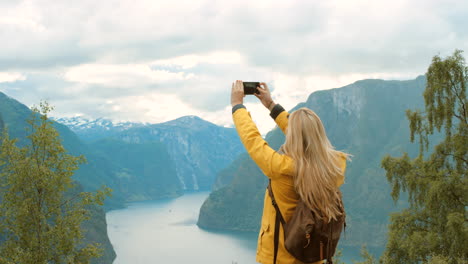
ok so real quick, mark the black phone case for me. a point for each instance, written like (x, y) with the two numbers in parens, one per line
(251, 87)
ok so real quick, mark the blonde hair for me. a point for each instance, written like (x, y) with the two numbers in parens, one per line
(317, 163)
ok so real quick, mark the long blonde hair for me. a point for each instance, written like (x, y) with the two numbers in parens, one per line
(317, 163)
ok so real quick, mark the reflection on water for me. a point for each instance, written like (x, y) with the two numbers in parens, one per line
(165, 231)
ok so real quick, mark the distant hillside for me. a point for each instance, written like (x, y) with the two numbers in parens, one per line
(366, 119)
(96, 172)
(91, 130)
(90, 176)
(139, 162)
(143, 171)
(199, 148)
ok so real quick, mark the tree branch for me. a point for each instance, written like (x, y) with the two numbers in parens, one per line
(455, 91)
(454, 156)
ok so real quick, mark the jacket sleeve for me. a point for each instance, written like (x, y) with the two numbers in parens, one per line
(280, 116)
(270, 162)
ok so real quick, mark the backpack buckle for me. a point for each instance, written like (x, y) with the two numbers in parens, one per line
(308, 240)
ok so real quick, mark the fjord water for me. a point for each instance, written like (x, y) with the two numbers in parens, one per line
(165, 231)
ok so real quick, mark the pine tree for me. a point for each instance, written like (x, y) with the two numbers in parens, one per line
(434, 229)
(41, 209)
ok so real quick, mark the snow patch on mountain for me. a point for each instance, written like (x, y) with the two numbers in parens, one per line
(80, 123)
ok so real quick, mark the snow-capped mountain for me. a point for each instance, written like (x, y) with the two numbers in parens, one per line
(91, 130)
(198, 148)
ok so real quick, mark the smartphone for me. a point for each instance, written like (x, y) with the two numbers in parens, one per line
(251, 87)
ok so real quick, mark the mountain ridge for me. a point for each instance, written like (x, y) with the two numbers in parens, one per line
(198, 147)
(84, 126)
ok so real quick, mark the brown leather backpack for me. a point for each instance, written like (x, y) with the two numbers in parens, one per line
(307, 237)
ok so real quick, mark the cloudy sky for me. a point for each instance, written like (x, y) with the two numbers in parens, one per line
(155, 60)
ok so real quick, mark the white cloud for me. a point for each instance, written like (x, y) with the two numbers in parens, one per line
(22, 22)
(155, 108)
(127, 75)
(192, 60)
(23, 16)
(7, 77)
(121, 59)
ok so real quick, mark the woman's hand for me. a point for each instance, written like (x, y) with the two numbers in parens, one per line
(265, 96)
(237, 93)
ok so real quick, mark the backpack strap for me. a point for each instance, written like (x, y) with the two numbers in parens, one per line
(278, 219)
(329, 258)
(273, 202)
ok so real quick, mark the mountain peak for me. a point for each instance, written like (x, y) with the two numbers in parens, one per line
(80, 122)
(188, 121)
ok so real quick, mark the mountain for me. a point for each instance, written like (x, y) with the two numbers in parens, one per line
(366, 119)
(91, 130)
(198, 148)
(90, 176)
(143, 171)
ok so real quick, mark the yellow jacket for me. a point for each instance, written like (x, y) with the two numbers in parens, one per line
(280, 169)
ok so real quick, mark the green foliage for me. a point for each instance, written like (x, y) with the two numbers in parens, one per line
(444, 260)
(41, 215)
(435, 224)
(337, 256)
(368, 257)
(90, 176)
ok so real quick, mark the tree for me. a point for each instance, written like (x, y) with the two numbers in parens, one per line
(41, 208)
(368, 257)
(434, 227)
(337, 257)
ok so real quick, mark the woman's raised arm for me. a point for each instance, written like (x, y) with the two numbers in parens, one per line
(277, 112)
(270, 162)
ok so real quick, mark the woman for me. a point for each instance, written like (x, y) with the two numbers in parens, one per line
(307, 167)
